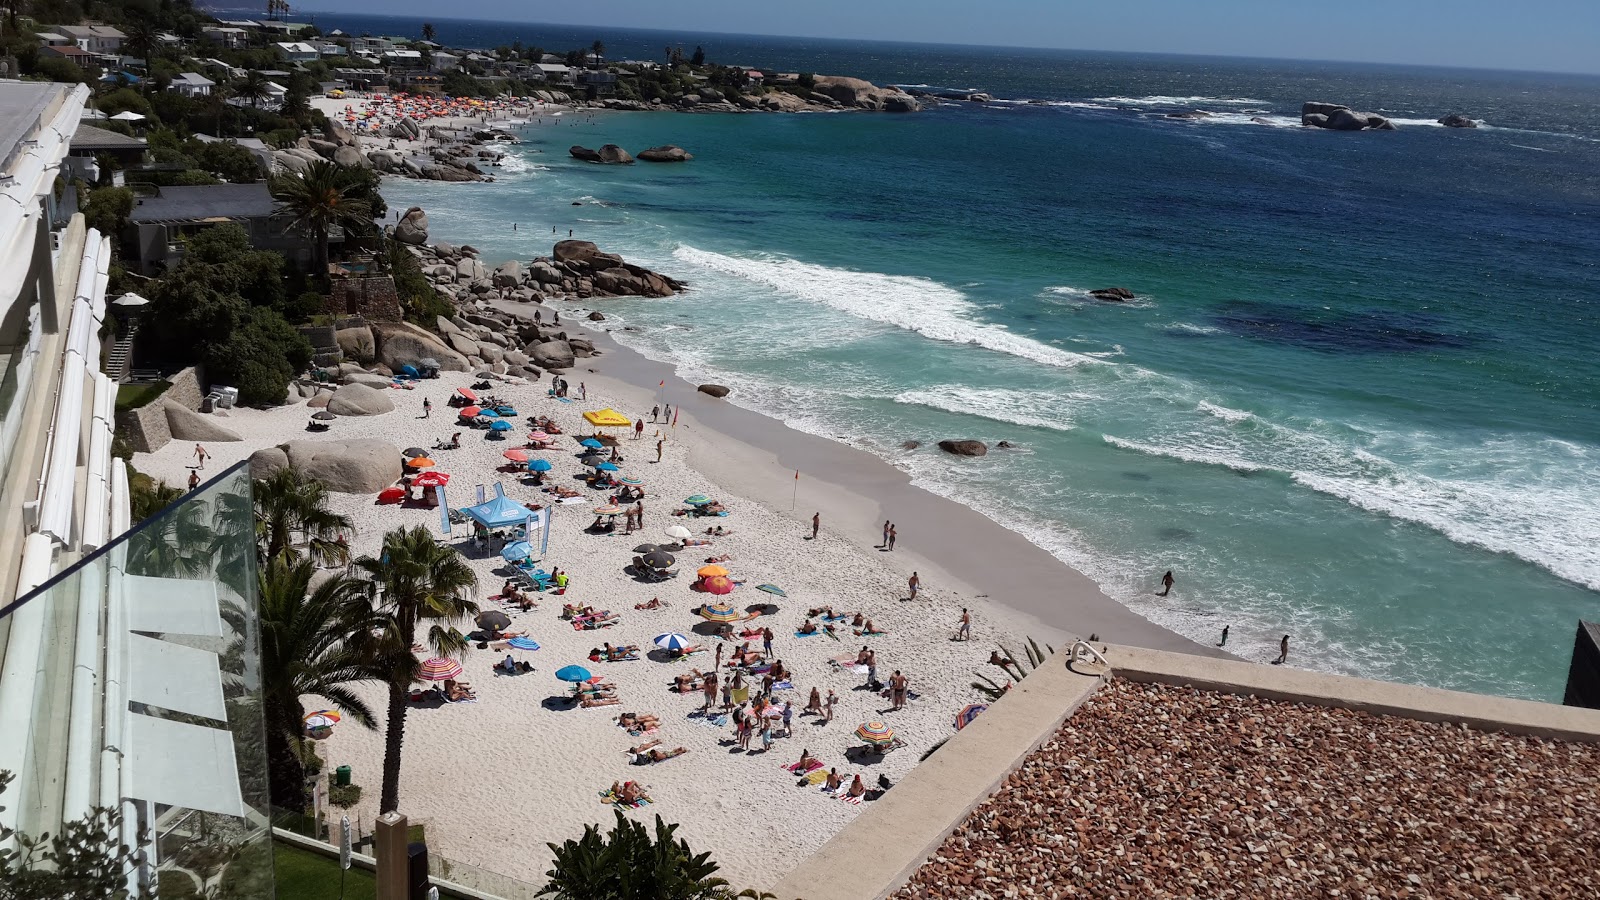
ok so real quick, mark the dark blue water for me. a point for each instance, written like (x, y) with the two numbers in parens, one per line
(1356, 401)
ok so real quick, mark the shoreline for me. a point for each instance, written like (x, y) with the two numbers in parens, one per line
(856, 490)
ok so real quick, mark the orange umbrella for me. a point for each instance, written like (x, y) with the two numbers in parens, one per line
(468, 412)
(421, 462)
(516, 455)
(711, 571)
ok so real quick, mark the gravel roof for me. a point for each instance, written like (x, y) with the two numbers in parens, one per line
(1157, 791)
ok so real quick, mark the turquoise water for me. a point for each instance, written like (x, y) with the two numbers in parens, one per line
(1355, 402)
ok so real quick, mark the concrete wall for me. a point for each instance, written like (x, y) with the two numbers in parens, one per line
(374, 298)
(1583, 678)
(146, 427)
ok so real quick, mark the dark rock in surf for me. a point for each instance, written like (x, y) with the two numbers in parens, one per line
(1189, 114)
(666, 153)
(964, 447)
(714, 390)
(1337, 117)
(1006, 445)
(597, 316)
(585, 154)
(1456, 120)
(1112, 294)
(910, 445)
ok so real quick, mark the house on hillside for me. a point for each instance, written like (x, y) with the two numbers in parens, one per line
(228, 36)
(326, 49)
(85, 58)
(52, 39)
(101, 39)
(554, 73)
(192, 84)
(90, 143)
(444, 62)
(162, 224)
(297, 52)
(403, 59)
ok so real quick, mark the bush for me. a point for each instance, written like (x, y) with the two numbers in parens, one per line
(123, 99)
(227, 161)
(108, 209)
(344, 796)
(56, 68)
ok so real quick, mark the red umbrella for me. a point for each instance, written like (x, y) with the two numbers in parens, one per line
(432, 479)
(467, 393)
(717, 584)
(468, 412)
(516, 455)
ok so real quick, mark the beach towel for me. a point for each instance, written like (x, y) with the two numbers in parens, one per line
(814, 765)
(718, 722)
(852, 800)
(817, 777)
(784, 685)
(835, 618)
(800, 634)
(832, 635)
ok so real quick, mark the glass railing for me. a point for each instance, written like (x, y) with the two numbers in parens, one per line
(146, 698)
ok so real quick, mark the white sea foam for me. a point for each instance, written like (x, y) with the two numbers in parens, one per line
(1013, 407)
(1163, 100)
(1227, 414)
(1191, 328)
(1203, 455)
(924, 306)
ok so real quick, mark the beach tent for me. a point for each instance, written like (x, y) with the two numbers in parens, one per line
(607, 418)
(499, 512)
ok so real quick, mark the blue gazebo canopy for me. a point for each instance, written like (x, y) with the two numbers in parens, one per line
(499, 512)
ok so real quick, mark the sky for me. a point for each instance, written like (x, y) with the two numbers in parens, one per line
(1549, 35)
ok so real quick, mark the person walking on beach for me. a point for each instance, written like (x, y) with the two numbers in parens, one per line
(660, 442)
(788, 718)
(914, 583)
(827, 706)
(1224, 637)
(655, 411)
(427, 407)
(872, 667)
(638, 430)
(897, 689)
(816, 524)
(727, 691)
(719, 658)
(964, 632)
(709, 688)
(1166, 584)
(766, 733)
(638, 514)
(886, 527)
(766, 642)
(583, 391)
(194, 479)
(892, 535)
(1283, 651)
(200, 454)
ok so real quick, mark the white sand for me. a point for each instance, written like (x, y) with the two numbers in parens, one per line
(497, 779)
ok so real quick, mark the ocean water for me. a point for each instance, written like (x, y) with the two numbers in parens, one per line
(1356, 401)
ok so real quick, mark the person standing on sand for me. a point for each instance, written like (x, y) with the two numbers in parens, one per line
(427, 407)
(719, 658)
(886, 527)
(194, 479)
(914, 583)
(709, 688)
(892, 535)
(638, 430)
(660, 442)
(766, 642)
(788, 718)
(638, 514)
(964, 632)
(666, 413)
(583, 391)
(1283, 651)
(827, 706)
(816, 523)
(872, 667)
(200, 454)
(1166, 584)
(727, 691)
(1224, 637)
(897, 689)
(655, 411)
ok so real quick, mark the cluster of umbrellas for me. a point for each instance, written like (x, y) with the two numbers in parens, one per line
(319, 725)
(417, 460)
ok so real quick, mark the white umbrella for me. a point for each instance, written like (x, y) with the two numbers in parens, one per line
(129, 299)
(128, 116)
(678, 531)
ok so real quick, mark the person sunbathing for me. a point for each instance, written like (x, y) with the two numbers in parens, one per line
(719, 559)
(694, 542)
(688, 683)
(745, 658)
(834, 779)
(656, 755)
(644, 747)
(856, 788)
(814, 705)
(863, 656)
(804, 765)
(779, 673)
(455, 692)
(638, 721)
(807, 627)
(655, 603)
(995, 659)
(828, 627)
(824, 611)
(685, 652)
(631, 792)
(620, 651)
(719, 531)
(591, 702)
(856, 622)
(869, 628)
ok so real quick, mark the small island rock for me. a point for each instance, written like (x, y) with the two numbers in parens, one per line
(1113, 294)
(1456, 120)
(666, 153)
(964, 447)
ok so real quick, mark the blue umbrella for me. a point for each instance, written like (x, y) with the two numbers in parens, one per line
(409, 369)
(524, 643)
(607, 467)
(672, 641)
(539, 465)
(488, 412)
(516, 551)
(573, 674)
(501, 425)
(591, 443)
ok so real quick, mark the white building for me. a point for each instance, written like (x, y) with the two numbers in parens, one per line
(403, 59)
(556, 73)
(298, 52)
(228, 36)
(101, 39)
(326, 50)
(193, 84)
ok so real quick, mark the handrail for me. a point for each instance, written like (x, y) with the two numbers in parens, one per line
(1080, 649)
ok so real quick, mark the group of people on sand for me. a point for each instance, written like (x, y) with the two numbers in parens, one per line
(834, 781)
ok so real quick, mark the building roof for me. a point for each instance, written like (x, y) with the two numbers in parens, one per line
(51, 36)
(553, 68)
(70, 51)
(403, 54)
(296, 47)
(225, 29)
(90, 31)
(201, 203)
(90, 137)
(195, 79)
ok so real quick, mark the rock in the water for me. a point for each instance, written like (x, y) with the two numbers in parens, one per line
(349, 467)
(1006, 445)
(188, 425)
(666, 153)
(964, 447)
(552, 355)
(597, 316)
(413, 227)
(1455, 120)
(854, 92)
(1341, 118)
(715, 390)
(910, 445)
(585, 253)
(360, 400)
(611, 153)
(1114, 294)
(583, 153)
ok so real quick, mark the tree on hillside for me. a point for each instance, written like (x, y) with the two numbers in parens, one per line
(415, 583)
(599, 50)
(139, 39)
(319, 200)
(428, 31)
(253, 87)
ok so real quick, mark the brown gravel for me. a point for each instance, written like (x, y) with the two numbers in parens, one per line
(1155, 791)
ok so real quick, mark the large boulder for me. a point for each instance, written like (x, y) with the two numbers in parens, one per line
(356, 343)
(1113, 294)
(584, 153)
(964, 447)
(323, 149)
(350, 158)
(623, 281)
(292, 163)
(188, 425)
(360, 400)
(714, 390)
(1455, 120)
(611, 153)
(370, 379)
(413, 227)
(859, 94)
(349, 467)
(552, 355)
(665, 153)
(462, 344)
(544, 273)
(403, 344)
(585, 254)
(508, 274)
(338, 134)
(1337, 117)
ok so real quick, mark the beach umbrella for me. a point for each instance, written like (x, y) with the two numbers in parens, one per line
(439, 669)
(876, 733)
(483, 375)
(609, 511)
(672, 641)
(429, 362)
(490, 413)
(606, 467)
(712, 612)
(501, 425)
(591, 459)
(631, 480)
(421, 462)
(772, 589)
(127, 116)
(331, 715)
(324, 416)
(646, 548)
(130, 300)
(524, 643)
(539, 437)
(413, 452)
(698, 500)
(432, 479)
(409, 369)
(717, 584)
(772, 712)
(659, 559)
(710, 570)
(465, 392)
(574, 674)
(318, 728)
(516, 455)
(469, 412)
(493, 620)
(591, 443)
(677, 531)
(968, 713)
(539, 465)
(516, 551)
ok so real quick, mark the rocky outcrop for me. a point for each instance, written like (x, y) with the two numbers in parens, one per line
(350, 157)
(610, 153)
(1455, 120)
(187, 425)
(581, 270)
(1112, 294)
(596, 316)
(360, 399)
(714, 390)
(666, 153)
(403, 344)
(855, 93)
(1335, 117)
(552, 355)
(412, 227)
(964, 447)
(507, 274)
(357, 343)
(349, 467)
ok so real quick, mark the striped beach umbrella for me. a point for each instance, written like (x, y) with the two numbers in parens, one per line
(432, 479)
(439, 669)
(876, 733)
(672, 641)
(609, 511)
(631, 480)
(710, 570)
(332, 715)
(538, 437)
(524, 643)
(717, 584)
(968, 713)
(713, 612)
(697, 500)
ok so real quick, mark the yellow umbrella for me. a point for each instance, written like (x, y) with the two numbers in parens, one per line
(608, 418)
(708, 571)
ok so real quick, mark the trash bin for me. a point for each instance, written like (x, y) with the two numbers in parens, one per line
(341, 776)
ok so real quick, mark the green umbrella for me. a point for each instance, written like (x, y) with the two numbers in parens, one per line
(771, 589)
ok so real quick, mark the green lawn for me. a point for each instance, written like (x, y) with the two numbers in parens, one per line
(133, 396)
(302, 875)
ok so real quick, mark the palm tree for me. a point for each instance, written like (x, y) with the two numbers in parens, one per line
(289, 504)
(174, 543)
(305, 649)
(139, 37)
(252, 88)
(322, 198)
(599, 48)
(415, 583)
(630, 863)
(427, 31)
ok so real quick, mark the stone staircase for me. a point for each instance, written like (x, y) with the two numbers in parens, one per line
(121, 354)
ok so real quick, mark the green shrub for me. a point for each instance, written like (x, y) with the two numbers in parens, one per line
(344, 796)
